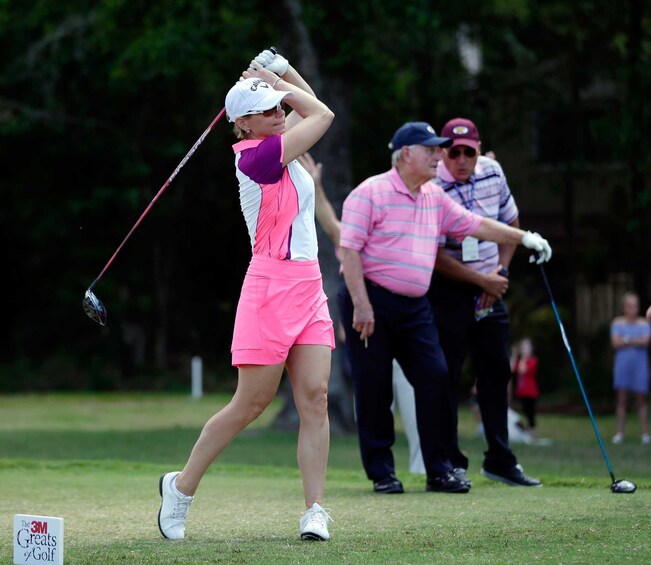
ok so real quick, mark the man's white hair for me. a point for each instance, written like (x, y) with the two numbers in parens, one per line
(395, 156)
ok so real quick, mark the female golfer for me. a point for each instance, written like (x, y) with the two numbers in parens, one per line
(282, 318)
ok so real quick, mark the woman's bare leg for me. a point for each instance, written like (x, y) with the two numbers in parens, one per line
(309, 370)
(643, 412)
(256, 388)
(620, 411)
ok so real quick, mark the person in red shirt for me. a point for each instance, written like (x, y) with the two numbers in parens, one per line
(525, 370)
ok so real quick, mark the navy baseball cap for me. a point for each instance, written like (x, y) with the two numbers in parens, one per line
(417, 133)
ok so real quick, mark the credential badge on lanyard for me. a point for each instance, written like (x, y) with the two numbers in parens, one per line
(470, 245)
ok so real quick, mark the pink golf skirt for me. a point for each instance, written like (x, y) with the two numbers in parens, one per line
(282, 304)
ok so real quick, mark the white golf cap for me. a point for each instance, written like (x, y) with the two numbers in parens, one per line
(250, 96)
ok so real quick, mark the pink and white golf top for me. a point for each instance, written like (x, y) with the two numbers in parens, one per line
(277, 202)
(397, 233)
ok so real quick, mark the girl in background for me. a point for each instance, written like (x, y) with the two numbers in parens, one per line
(629, 336)
(525, 370)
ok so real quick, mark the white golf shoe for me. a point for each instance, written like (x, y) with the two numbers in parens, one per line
(173, 508)
(314, 524)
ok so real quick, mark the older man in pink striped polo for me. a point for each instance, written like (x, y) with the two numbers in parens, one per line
(390, 228)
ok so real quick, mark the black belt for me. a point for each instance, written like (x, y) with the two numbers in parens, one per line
(389, 291)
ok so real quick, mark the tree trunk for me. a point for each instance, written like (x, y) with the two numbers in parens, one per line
(333, 150)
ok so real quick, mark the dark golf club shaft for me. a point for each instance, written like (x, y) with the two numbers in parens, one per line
(576, 372)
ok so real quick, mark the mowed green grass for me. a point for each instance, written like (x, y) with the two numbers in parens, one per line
(95, 460)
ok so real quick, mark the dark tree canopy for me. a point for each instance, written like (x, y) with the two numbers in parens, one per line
(99, 102)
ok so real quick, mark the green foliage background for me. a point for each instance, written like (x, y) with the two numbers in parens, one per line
(99, 102)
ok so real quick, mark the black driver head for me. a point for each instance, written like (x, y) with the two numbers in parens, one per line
(94, 308)
(623, 486)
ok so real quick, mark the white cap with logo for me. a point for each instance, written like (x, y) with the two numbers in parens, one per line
(252, 96)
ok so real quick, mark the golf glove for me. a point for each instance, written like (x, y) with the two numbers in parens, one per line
(540, 245)
(273, 62)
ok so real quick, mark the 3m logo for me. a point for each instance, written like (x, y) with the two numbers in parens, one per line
(39, 527)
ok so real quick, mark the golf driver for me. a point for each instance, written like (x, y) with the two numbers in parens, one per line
(93, 306)
(621, 486)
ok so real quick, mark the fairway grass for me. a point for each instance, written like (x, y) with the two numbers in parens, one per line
(96, 460)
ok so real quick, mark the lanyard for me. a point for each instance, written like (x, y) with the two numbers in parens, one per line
(470, 203)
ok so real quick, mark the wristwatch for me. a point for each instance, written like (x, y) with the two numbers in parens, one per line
(503, 272)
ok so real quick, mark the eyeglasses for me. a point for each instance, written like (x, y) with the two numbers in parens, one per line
(280, 107)
(454, 152)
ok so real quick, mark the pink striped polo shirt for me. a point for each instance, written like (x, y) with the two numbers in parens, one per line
(277, 202)
(397, 233)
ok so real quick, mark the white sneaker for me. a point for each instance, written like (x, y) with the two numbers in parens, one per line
(646, 439)
(314, 524)
(618, 438)
(173, 508)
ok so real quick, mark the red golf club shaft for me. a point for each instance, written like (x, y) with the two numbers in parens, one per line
(160, 192)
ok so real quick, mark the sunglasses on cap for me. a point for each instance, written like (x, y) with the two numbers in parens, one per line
(280, 107)
(454, 152)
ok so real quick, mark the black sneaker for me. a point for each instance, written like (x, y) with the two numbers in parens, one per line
(460, 473)
(446, 483)
(388, 485)
(514, 477)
